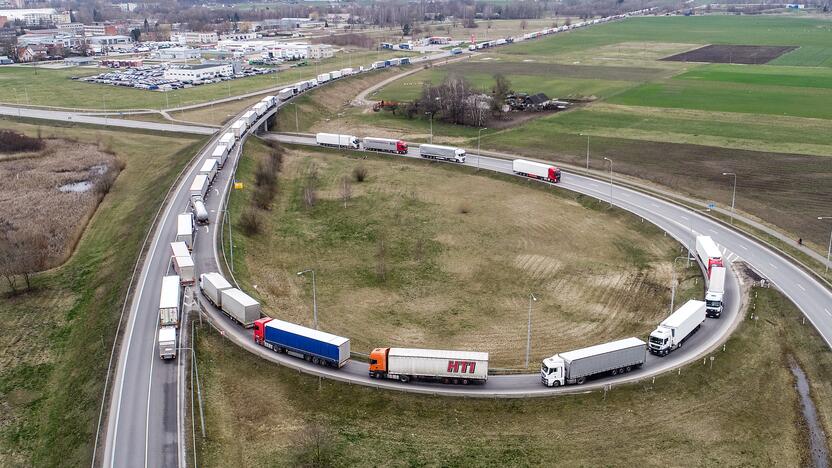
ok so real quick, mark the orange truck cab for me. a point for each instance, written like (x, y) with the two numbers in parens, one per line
(378, 362)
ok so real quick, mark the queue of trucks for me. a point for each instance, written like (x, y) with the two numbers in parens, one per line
(407, 364)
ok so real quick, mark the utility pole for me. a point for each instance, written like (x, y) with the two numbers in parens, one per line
(829, 249)
(529, 329)
(734, 195)
(673, 283)
(479, 136)
(610, 160)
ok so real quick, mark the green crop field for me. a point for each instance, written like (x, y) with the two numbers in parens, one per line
(798, 77)
(813, 35)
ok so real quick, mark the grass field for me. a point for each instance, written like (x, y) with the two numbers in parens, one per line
(461, 254)
(743, 412)
(37, 86)
(55, 341)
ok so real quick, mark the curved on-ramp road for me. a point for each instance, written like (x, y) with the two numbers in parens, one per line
(145, 418)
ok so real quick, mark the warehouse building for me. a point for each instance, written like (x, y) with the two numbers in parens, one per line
(205, 71)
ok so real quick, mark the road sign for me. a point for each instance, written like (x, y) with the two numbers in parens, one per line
(711, 205)
(238, 185)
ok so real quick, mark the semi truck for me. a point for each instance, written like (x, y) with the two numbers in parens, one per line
(209, 169)
(456, 51)
(199, 210)
(183, 265)
(239, 127)
(185, 229)
(406, 364)
(716, 292)
(167, 343)
(260, 108)
(250, 117)
(678, 327)
(708, 253)
(212, 285)
(334, 75)
(388, 145)
(241, 307)
(336, 140)
(169, 301)
(447, 153)
(227, 139)
(199, 187)
(285, 93)
(270, 101)
(536, 170)
(295, 340)
(574, 367)
(220, 153)
(347, 71)
(323, 78)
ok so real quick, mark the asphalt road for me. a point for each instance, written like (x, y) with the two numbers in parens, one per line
(74, 117)
(146, 413)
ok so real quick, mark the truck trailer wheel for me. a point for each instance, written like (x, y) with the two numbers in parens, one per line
(404, 378)
(581, 380)
(614, 372)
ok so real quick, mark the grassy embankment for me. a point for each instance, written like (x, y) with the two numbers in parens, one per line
(37, 86)
(56, 339)
(439, 257)
(742, 412)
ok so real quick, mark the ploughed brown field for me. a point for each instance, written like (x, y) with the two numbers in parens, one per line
(720, 53)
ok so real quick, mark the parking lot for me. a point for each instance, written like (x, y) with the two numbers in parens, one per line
(152, 77)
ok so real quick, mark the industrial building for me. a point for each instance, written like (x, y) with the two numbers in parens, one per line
(191, 37)
(36, 16)
(206, 71)
(176, 53)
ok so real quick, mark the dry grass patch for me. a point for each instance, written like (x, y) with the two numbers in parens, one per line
(55, 191)
(455, 278)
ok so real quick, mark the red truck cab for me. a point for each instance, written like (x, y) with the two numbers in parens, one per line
(401, 147)
(260, 330)
(554, 174)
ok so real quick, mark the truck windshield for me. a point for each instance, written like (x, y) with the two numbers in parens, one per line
(656, 340)
(712, 303)
(544, 369)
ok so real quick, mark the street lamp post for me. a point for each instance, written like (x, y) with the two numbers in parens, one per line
(734, 195)
(314, 296)
(610, 160)
(673, 283)
(479, 136)
(529, 329)
(829, 249)
(431, 126)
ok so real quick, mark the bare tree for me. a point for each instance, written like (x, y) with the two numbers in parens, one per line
(346, 189)
(524, 24)
(314, 447)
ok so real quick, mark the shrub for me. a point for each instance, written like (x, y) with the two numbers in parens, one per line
(262, 197)
(359, 173)
(250, 222)
(13, 142)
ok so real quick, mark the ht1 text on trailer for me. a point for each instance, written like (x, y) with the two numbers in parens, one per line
(407, 364)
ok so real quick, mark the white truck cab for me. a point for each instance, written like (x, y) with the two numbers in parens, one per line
(553, 372)
(660, 341)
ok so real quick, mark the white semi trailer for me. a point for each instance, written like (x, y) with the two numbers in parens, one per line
(239, 127)
(167, 343)
(199, 187)
(716, 292)
(536, 170)
(220, 153)
(212, 285)
(250, 117)
(241, 307)
(337, 140)
(448, 153)
(228, 140)
(185, 229)
(708, 253)
(406, 364)
(574, 367)
(169, 301)
(285, 94)
(209, 168)
(678, 327)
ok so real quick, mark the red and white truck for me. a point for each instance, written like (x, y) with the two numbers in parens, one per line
(708, 253)
(536, 170)
(406, 364)
(716, 292)
(387, 145)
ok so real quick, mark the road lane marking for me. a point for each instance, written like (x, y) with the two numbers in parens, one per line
(773, 265)
(743, 247)
(711, 230)
(828, 313)
(801, 287)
